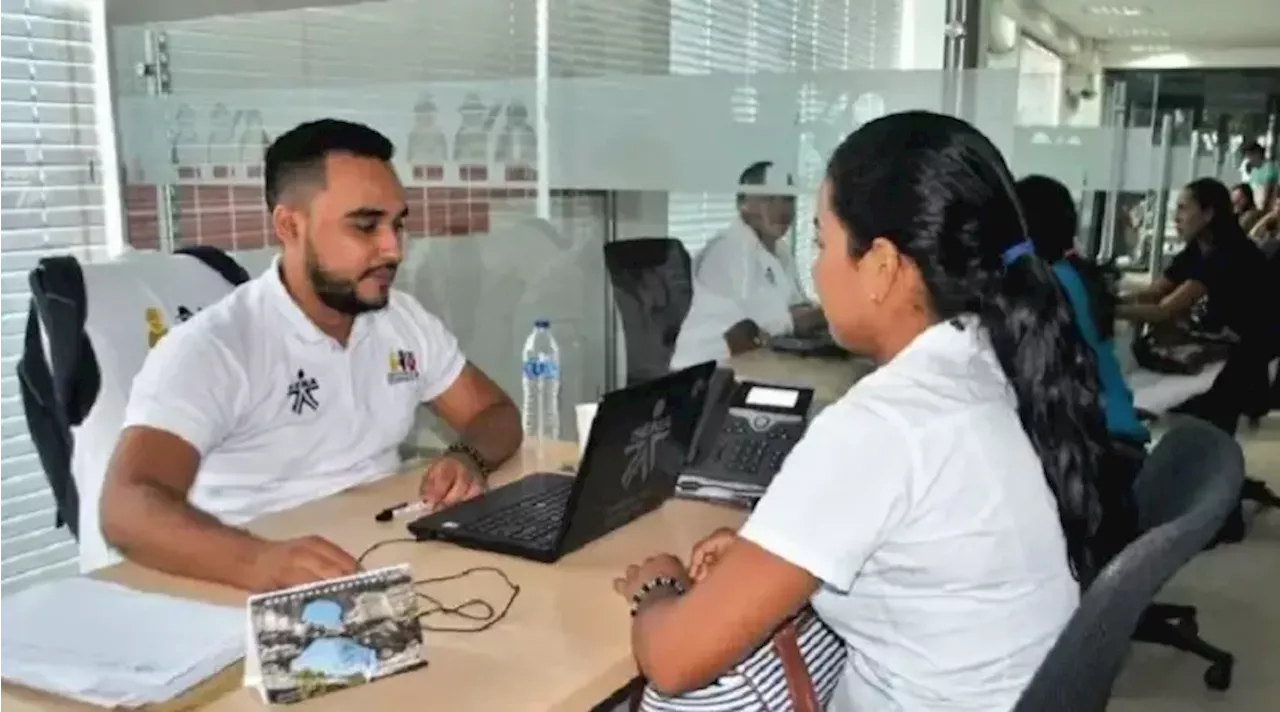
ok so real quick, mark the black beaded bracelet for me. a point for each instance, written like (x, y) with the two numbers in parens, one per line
(648, 587)
(470, 453)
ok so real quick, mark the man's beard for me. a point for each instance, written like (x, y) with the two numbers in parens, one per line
(340, 294)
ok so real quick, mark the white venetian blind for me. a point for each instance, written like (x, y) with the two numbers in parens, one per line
(755, 36)
(51, 204)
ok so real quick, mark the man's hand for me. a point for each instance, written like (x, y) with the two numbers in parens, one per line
(282, 564)
(742, 337)
(450, 480)
(807, 319)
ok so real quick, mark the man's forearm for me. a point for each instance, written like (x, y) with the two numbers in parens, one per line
(155, 528)
(495, 432)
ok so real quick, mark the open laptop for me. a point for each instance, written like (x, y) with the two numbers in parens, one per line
(639, 442)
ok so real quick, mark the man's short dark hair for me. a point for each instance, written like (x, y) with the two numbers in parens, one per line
(297, 156)
(1252, 147)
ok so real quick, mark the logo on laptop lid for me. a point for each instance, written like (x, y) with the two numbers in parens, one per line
(642, 450)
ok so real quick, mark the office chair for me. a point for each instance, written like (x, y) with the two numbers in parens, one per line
(1186, 486)
(88, 331)
(1158, 494)
(652, 281)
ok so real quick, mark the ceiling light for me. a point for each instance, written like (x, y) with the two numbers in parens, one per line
(1150, 48)
(1116, 10)
(1136, 32)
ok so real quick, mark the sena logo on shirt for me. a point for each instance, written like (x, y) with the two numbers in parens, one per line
(402, 367)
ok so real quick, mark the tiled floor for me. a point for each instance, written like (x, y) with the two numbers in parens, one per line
(1237, 591)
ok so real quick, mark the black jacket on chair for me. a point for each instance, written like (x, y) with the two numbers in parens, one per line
(59, 385)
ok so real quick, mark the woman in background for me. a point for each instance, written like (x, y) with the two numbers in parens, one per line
(1221, 263)
(1053, 222)
(940, 515)
(1246, 210)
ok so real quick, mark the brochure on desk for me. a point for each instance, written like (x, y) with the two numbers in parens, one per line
(311, 640)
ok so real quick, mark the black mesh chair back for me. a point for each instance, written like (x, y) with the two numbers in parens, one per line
(652, 281)
(1186, 487)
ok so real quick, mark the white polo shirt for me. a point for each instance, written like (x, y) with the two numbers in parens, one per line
(701, 336)
(737, 266)
(919, 502)
(281, 413)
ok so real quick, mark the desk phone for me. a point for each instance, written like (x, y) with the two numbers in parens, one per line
(747, 429)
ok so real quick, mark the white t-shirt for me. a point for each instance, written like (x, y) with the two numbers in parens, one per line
(281, 413)
(919, 502)
(736, 278)
(737, 266)
(701, 336)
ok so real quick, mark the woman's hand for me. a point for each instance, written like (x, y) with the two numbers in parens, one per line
(709, 551)
(652, 568)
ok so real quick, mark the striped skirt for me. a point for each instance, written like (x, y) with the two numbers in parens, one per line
(759, 683)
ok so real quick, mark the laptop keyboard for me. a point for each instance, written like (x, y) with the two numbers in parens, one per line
(534, 520)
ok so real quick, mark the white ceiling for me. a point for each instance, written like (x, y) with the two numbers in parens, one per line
(1175, 23)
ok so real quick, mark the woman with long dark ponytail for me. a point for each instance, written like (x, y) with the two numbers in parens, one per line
(939, 516)
(1090, 290)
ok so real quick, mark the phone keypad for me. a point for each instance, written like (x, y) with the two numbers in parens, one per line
(756, 453)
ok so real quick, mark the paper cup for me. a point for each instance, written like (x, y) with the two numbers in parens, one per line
(586, 413)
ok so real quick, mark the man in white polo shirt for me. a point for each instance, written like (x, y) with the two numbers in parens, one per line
(745, 282)
(299, 384)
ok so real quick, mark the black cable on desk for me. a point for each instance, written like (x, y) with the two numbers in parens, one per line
(477, 610)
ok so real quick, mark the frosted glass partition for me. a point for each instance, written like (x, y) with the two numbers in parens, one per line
(518, 172)
(478, 252)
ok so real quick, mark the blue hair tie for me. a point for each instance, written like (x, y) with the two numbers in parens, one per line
(1017, 252)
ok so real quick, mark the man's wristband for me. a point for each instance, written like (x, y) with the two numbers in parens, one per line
(471, 455)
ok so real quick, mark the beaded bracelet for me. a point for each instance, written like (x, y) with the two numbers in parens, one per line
(650, 586)
(470, 453)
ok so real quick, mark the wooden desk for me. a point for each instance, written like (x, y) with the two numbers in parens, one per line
(564, 646)
(829, 378)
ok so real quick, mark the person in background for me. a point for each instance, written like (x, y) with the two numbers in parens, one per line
(1053, 222)
(1221, 263)
(1260, 173)
(750, 261)
(745, 286)
(938, 515)
(299, 384)
(1245, 209)
(1266, 231)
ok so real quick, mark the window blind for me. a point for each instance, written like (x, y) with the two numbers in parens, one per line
(754, 36)
(52, 204)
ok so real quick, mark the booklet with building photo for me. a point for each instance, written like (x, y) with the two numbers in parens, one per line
(311, 640)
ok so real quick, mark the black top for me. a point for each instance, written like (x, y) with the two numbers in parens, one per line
(1236, 278)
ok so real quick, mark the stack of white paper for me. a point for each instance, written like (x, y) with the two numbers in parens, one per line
(112, 646)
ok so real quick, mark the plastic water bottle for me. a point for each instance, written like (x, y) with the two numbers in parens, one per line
(541, 380)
